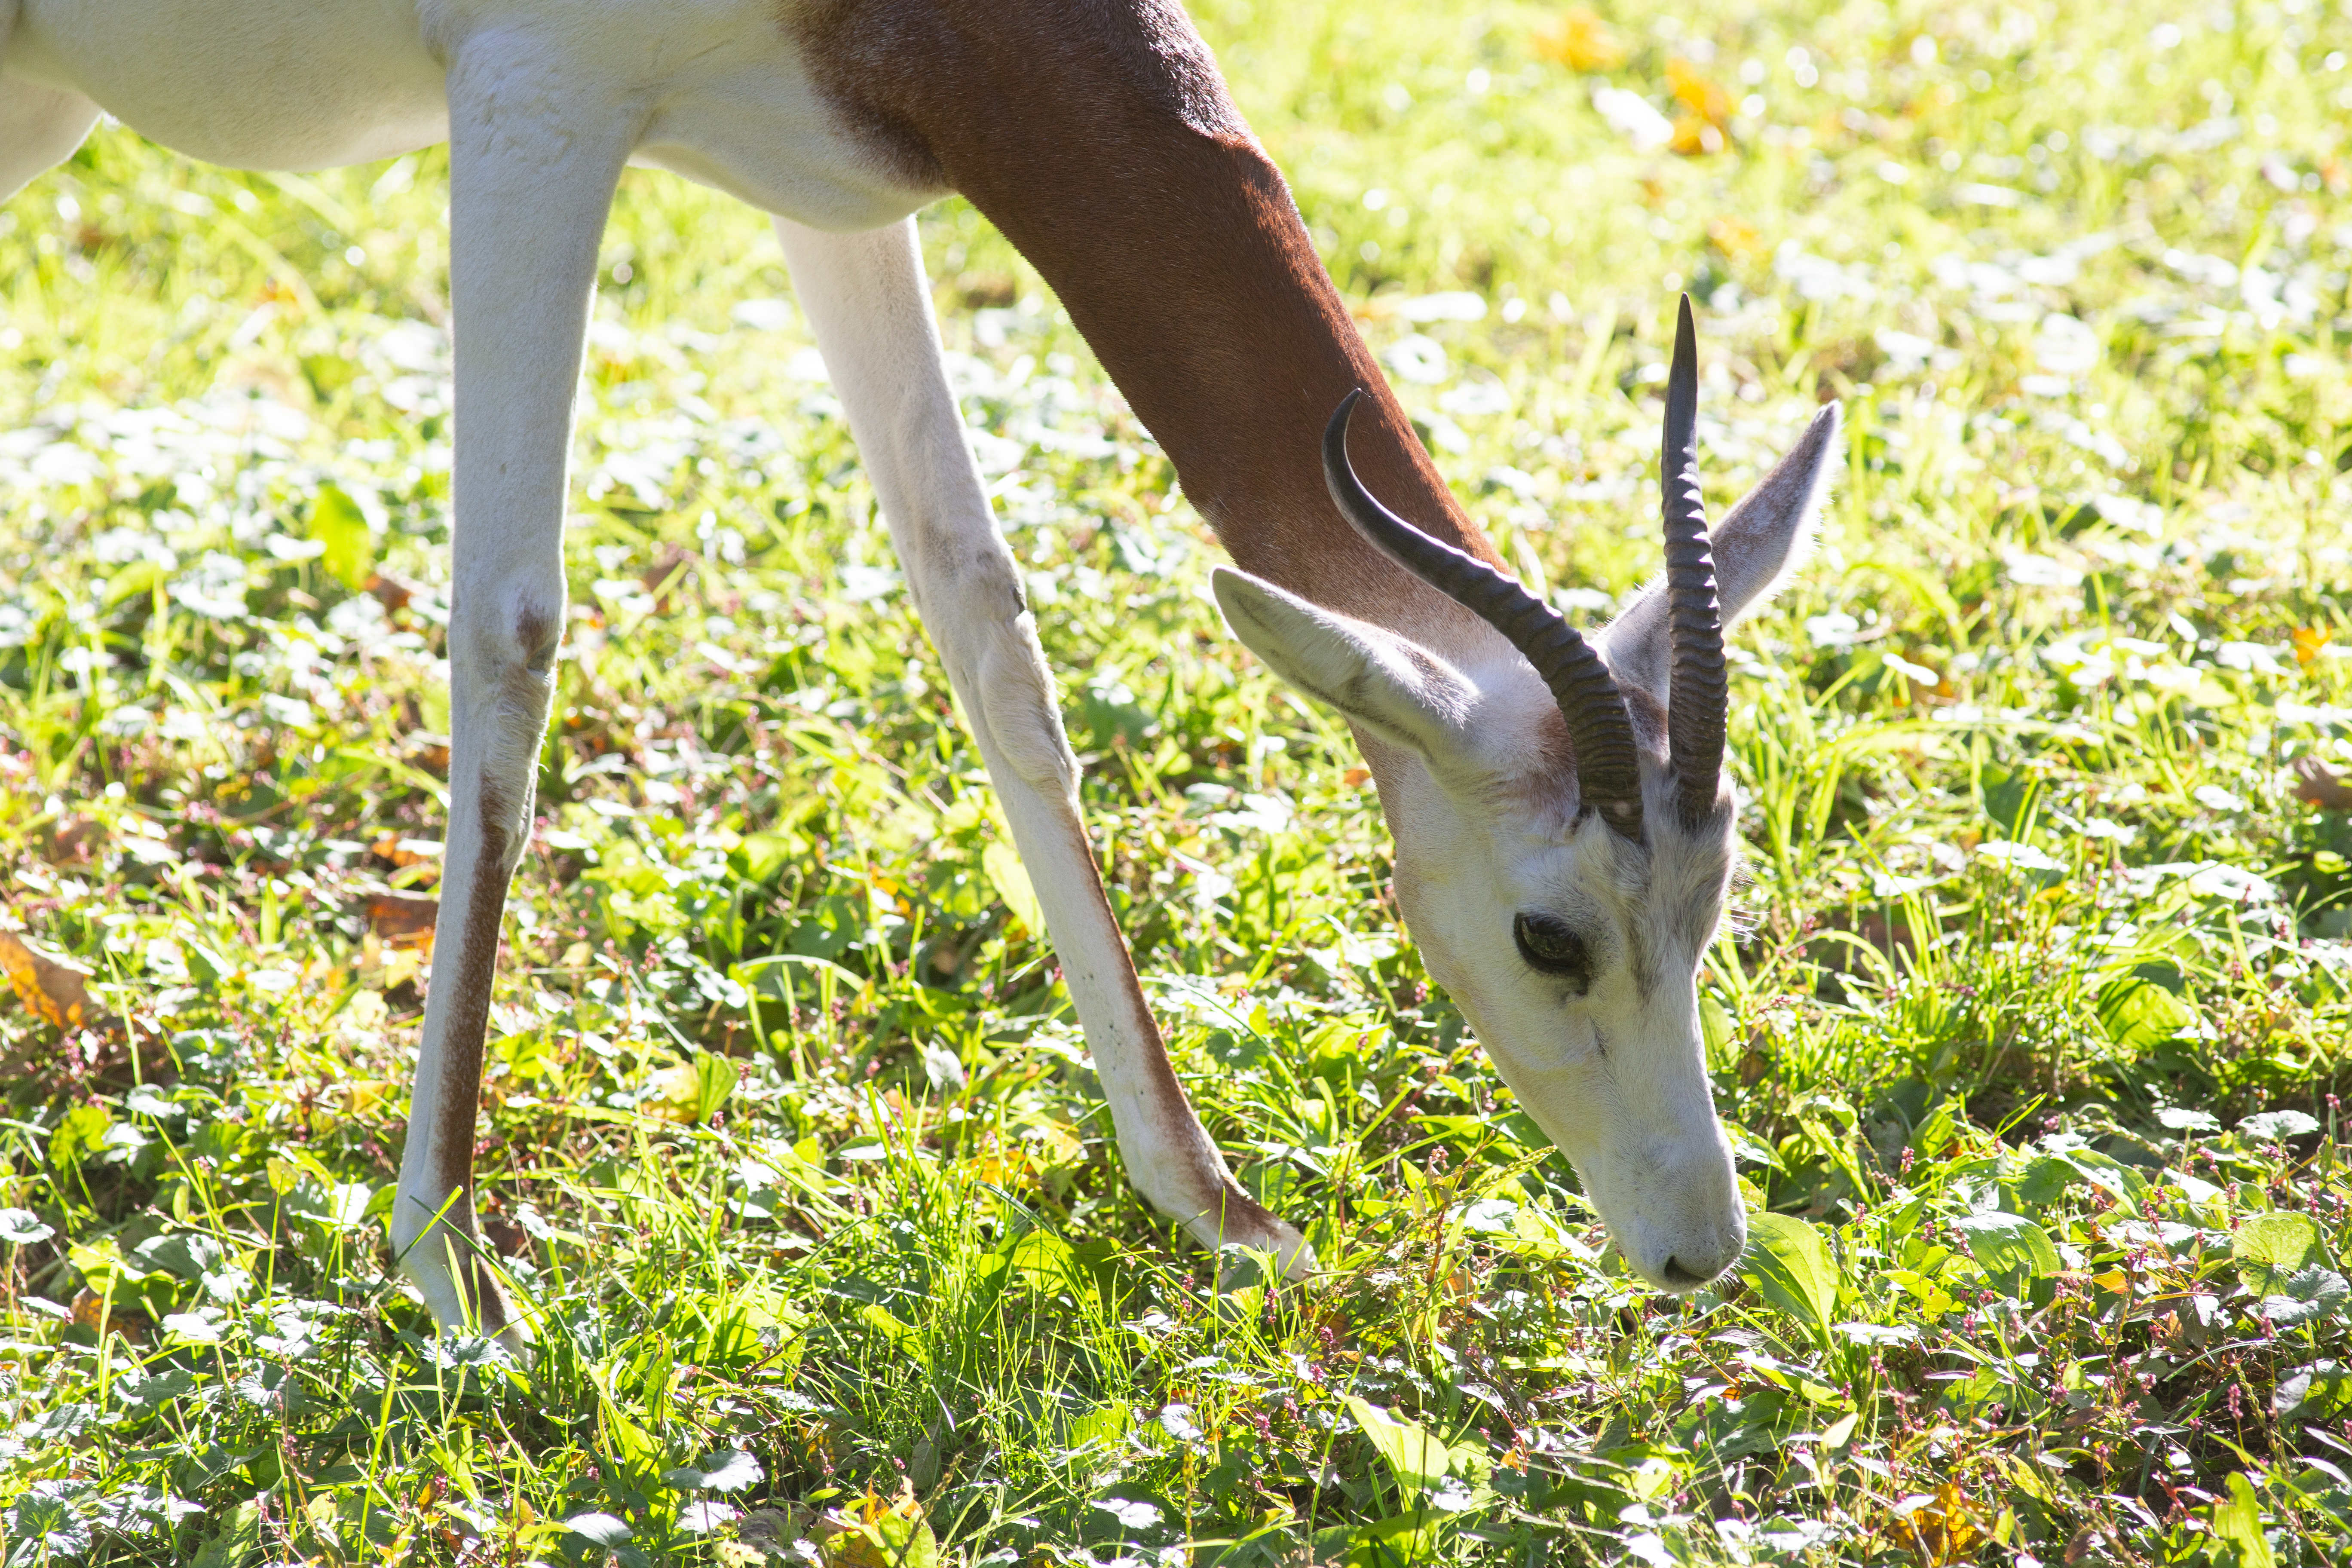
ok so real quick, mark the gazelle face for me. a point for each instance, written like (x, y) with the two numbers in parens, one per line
(1563, 822)
(1574, 955)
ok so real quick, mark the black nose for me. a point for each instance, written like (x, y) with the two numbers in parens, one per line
(1682, 1279)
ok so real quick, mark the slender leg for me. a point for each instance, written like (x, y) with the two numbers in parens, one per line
(864, 294)
(535, 152)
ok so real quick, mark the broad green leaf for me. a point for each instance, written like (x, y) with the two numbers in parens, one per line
(2269, 1246)
(2138, 1013)
(2010, 1245)
(1011, 880)
(760, 857)
(80, 1133)
(601, 1529)
(1045, 1259)
(1415, 1456)
(2238, 1522)
(337, 523)
(1404, 1541)
(905, 1542)
(2315, 1391)
(728, 1470)
(904, 1337)
(240, 1537)
(715, 1078)
(1788, 1263)
(1715, 1028)
(2274, 1126)
(2307, 1296)
(1103, 1425)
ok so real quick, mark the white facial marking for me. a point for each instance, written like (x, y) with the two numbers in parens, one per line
(1573, 952)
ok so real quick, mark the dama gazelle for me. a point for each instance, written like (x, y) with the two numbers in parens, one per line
(1563, 823)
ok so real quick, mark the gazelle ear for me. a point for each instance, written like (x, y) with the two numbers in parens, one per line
(1754, 547)
(1390, 686)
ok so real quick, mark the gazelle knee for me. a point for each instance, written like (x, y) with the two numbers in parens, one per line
(1016, 700)
(503, 685)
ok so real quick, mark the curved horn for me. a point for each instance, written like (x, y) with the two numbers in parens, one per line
(1608, 775)
(1697, 692)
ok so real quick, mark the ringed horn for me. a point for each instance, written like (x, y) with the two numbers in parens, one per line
(1608, 773)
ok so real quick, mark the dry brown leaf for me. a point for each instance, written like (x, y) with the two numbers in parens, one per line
(403, 851)
(53, 986)
(392, 593)
(76, 840)
(403, 919)
(2316, 784)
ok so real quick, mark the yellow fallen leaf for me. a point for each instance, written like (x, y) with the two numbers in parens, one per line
(1736, 237)
(1580, 40)
(1698, 92)
(2308, 641)
(1695, 134)
(677, 1093)
(1944, 1532)
(1004, 1164)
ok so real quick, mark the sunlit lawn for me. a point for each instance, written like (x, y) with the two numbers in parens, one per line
(2028, 1026)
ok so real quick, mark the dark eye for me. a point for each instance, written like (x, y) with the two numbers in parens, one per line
(1546, 943)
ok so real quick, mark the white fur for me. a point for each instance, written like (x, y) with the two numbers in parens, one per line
(543, 103)
(1484, 830)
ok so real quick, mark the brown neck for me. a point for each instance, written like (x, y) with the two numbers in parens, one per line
(1098, 136)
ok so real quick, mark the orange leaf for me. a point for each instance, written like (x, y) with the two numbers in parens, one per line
(53, 985)
(1580, 40)
(403, 919)
(403, 851)
(89, 1304)
(2308, 641)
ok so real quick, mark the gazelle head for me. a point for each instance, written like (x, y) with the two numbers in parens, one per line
(1563, 820)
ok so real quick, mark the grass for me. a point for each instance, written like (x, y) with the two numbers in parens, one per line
(2032, 1023)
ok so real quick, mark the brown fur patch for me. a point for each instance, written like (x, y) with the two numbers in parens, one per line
(464, 1028)
(537, 634)
(489, 1301)
(1099, 138)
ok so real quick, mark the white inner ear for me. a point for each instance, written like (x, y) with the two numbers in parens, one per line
(1389, 684)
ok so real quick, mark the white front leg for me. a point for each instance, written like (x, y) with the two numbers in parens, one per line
(535, 151)
(865, 295)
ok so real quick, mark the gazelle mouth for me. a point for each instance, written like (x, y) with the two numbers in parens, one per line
(1681, 1278)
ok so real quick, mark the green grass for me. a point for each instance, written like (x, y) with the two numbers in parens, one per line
(788, 1131)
